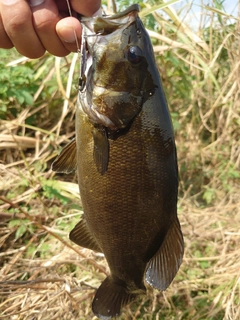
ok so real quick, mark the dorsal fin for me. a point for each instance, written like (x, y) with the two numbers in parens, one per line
(164, 265)
(66, 161)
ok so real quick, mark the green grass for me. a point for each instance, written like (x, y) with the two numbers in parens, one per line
(45, 276)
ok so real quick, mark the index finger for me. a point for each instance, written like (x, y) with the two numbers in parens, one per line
(17, 21)
(86, 7)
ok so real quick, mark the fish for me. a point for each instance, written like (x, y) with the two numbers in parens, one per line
(126, 162)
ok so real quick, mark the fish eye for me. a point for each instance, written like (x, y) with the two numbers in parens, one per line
(134, 54)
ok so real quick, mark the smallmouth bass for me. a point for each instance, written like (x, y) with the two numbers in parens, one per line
(126, 162)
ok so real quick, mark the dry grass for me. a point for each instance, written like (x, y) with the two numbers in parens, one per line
(62, 278)
(45, 276)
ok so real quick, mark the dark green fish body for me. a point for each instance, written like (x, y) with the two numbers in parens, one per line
(126, 163)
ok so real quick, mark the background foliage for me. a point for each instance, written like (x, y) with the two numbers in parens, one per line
(43, 275)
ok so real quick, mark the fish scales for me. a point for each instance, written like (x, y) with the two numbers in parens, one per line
(126, 162)
(127, 188)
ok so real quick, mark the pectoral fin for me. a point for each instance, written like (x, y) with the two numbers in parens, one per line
(66, 161)
(164, 265)
(83, 237)
(101, 149)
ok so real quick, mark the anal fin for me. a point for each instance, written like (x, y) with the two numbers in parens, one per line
(83, 237)
(66, 161)
(164, 265)
(110, 297)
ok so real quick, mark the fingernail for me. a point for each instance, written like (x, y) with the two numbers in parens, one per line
(68, 35)
(9, 2)
(34, 3)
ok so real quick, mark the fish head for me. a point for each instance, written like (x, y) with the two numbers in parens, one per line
(116, 68)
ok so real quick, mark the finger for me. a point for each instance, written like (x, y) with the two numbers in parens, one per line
(69, 31)
(45, 18)
(86, 8)
(5, 42)
(17, 21)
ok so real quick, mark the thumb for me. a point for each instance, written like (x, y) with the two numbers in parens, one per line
(86, 8)
(68, 29)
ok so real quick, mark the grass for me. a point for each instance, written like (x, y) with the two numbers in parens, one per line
(45, 276)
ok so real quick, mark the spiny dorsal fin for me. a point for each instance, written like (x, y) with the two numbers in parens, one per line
(83, 237)
(110, 297)
(66, 161)
(163, 267)
(101, 149)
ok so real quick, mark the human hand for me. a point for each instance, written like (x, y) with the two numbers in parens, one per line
(35, 26)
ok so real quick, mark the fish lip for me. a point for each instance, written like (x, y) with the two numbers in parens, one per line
(131, 10)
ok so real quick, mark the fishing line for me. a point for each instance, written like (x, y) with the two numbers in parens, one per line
(75, 35)
(81, 50)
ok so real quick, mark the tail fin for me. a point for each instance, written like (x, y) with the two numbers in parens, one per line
(110, 297)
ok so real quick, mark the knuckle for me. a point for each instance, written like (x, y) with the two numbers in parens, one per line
(45, 23)
(16, 25)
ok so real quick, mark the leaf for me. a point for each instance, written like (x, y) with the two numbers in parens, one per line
(209, 195)
(20, 231)
(18, 96)
(14, 223)
(28, 98)
(151, 9)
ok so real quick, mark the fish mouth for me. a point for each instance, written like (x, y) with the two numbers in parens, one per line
(103, 24)
(100, 25)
